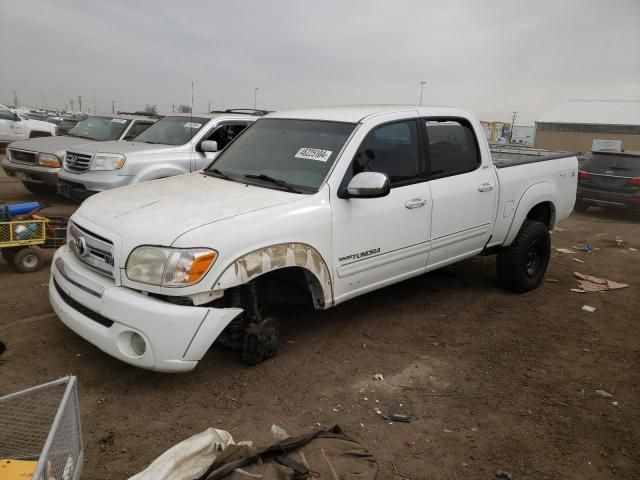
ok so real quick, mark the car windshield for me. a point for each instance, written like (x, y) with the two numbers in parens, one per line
(172, 130)
(101, 129)
(613, 162)
(299, 153)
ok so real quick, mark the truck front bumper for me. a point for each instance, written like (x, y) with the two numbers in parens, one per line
(79, 186)
(133, 327)
(31, 173)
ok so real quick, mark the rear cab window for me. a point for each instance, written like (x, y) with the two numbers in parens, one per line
(451, 147)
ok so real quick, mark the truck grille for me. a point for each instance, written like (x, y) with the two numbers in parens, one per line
(77, 162)
(91, 249)
(22, 156)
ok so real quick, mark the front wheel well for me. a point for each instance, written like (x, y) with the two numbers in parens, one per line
(543, 212)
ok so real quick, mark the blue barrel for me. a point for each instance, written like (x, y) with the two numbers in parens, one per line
(22, 208)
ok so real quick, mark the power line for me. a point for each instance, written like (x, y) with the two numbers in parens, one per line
(422, 84)
(513, 124)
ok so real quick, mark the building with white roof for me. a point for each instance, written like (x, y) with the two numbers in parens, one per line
(584, 125)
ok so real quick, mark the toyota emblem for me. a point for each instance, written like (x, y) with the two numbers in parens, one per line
(71, 159)
(81, 246)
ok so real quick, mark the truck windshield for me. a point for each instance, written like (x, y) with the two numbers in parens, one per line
(172, 130)
(101, 129)
(298, 153)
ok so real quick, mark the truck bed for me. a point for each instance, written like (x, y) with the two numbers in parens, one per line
(509, 156)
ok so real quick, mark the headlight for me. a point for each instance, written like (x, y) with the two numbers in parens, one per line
(49, 160)
(107, 161)
(169, 267)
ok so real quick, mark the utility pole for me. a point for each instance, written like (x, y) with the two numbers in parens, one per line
(255, 98)
(513, 124)
(71, 102)
(173, 108)
(113, 107)
(209, 109)
(94, 101)
(15, 99)
(222, 104)
(45, 100)
(80, 103)
(422, 84)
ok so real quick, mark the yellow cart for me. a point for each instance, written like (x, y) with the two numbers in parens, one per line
(21, 241)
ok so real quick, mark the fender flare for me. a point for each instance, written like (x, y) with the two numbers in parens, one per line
(275, 257)
(542, 192)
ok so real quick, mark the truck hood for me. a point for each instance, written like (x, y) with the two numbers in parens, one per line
(40, 125)
(124, 147)
(158, 212)
(54, 145)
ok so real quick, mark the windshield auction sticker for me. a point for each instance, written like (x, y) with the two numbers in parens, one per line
(192, 125)
(314, 154)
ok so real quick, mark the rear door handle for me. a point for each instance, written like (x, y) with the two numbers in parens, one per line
(485, 187)
(416, 203)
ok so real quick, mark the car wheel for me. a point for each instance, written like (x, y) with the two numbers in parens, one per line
(39, 188)
(581, 206)
(522, 265)
(261, 341)
(28, 260)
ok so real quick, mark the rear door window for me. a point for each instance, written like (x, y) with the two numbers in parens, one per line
(224, 133)
(136, 129)
(451, 147)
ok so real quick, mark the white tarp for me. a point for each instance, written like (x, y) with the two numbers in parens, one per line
(189, 459)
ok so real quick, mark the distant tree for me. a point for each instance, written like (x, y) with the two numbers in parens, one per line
(184, 109)
(150, 109)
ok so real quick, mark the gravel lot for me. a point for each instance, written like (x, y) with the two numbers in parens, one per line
(493, 380)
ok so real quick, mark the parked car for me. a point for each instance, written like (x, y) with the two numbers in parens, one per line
(37, 162)
(67, 123)
(15, 126)
(175, 145)
(318, 205)
(609, 179)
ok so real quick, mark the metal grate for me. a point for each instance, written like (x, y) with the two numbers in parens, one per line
(86, 311)
(42, 424)
(22, 156)
(77, 162)
(23, 232)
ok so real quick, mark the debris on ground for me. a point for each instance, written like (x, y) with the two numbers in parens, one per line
(565, 250)
(604, 393)
(552, 280)
(619, 241)
(589, 283)
(279, 433)
(631, 249)
(588, 308)
(398, 416)
(577, 260)
(504, 474)
(378, 377)
(578, 290)
(587, 247)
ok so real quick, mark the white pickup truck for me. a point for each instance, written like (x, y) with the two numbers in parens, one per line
(14, 126)
(318, 204)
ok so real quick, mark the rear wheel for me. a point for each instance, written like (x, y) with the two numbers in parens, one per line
(39, 188)
(28, 260)
(522, 265)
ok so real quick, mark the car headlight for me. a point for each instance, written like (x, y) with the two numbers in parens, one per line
(107, 161)
(169, 267)
(49, 160)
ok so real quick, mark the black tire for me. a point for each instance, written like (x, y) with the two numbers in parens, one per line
(39, 188)
(581, 206)
(522, 265)
(8, 254)
(261, 341)
(28, 260)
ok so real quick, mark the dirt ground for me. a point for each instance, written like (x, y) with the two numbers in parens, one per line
(492, 380)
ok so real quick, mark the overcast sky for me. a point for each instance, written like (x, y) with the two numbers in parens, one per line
(492, 57)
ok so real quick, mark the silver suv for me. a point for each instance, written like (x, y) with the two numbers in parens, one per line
(37, 161)
(175, 145)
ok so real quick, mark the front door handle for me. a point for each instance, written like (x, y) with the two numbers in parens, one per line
(416, 203)
(485, 187)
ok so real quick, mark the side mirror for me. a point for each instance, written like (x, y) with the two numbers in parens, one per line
(210, 146)
(369, 185)
(16, 117)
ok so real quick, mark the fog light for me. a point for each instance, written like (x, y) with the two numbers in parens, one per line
(138, 345)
